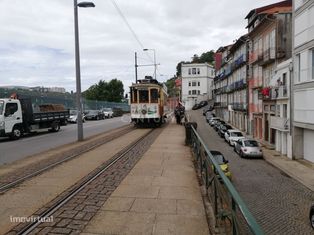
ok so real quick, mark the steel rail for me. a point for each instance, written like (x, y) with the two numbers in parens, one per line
(29, 228)
(5, 187)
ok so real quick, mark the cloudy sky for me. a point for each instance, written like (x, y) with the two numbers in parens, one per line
(37, 38)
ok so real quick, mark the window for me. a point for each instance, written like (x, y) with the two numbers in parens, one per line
(189, 92)
(193, 83)
(189, 83)
(154, 95)
(10, 108)
(198, 71)
(134, 95)
(297, 67)
(312, 58)
(199, 83)
(1, 107)
(143, 96)
(193, 92)
(198, 92)
(284, 111)
(189, 71)
(193, 70)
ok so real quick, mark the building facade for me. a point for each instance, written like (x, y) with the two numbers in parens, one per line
(237, 84)
(280, 83)
(197, 83)
(303, 81)
(269, 32)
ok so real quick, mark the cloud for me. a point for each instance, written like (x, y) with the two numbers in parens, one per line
(37, 38)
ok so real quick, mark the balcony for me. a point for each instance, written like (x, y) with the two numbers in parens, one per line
(255, 56)
(269, 56)
(279, 123)
(239, 106)
(267, 93)
(282, 92)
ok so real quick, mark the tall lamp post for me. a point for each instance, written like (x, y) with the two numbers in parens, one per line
(77, 68)
(155, 65)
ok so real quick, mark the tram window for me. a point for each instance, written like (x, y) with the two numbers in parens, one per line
(134, 95)
(154, 96)
(143, 96)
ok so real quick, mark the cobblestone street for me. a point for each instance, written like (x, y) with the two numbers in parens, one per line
(279, 203)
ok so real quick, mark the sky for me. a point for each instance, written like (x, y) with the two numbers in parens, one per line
(37, 38)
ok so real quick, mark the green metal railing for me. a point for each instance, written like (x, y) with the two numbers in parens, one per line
(231, 214)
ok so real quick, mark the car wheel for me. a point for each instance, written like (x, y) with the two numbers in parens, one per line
(312, 219)
(16, 133)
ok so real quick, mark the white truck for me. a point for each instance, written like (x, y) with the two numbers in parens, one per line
(17, 117)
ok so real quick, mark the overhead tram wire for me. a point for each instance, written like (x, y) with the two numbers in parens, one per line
(130, 28)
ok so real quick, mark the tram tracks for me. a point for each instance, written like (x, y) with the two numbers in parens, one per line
(76, 206)
(16, 178)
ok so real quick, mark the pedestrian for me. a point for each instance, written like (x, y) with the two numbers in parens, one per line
(179, 113)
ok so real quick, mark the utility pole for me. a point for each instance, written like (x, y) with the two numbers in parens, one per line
(136, 67)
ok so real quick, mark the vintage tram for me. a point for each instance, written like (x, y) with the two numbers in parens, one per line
(148, 100)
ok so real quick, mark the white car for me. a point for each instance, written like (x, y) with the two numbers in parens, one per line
(108, 112)
(73, 117)
(232, 136)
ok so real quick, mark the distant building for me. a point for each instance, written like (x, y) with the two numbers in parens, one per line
(48, 89)
(197, 83)
(303, 81)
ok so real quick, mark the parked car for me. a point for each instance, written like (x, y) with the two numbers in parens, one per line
(94, 115)
(207, 109)
(213, 120)
(248, 148)
(222, 130)
(73, 116)
(209, 116)
(203, 103)
(196, 106)
(217, 124)
(220, 159)
(232, 136)
(312, 216)
(117, 112)
(108, 113)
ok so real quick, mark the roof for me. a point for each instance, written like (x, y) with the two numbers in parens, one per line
(265, 9)
(279, 7)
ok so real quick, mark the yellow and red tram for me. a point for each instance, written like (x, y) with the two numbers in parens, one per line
(148, 100)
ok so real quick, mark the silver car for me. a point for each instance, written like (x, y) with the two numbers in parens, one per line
(248, 148)
(232, 136)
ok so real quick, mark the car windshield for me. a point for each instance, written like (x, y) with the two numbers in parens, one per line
(73, 112)
(250, 143)
(219, 158)
(93, 112)
(236, 134)
(107, 109)
(1, 107)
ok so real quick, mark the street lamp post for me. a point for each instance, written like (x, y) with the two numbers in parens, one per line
(155, 65)
(77, 68)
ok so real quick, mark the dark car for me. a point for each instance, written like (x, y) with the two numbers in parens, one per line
(222, 130)
(217, 124)
(117, 112)
(312, 216)
(196, 106)
(203, 103)
(94, 115)
(209, 115)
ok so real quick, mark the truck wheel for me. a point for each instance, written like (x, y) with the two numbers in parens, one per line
(16, 133)
(55, 127)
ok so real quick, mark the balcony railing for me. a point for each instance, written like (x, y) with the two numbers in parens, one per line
(279, 123)
(239, 106)
(269, 56)
(282, 92)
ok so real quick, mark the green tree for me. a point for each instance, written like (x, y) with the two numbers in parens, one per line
(111, 91)
(171, 86)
